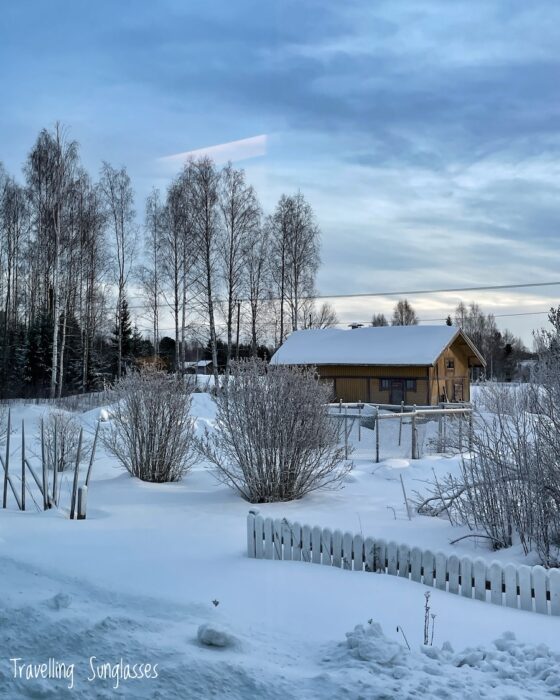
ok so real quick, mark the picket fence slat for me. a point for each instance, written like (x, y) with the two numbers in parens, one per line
(453, 567)
(404, 561)
(466, 577)
(525, 595)
(316, 545)
(251, 543)
(392, 558)
(268, 543)
(554, 582)
(441, 571)
(296, 539)
(539, 587)
(286, 540)
(529, 588)
(326, 547)
(496, 583)
(347, 542)
(416, 564)
(306, 543)
(358, 547)
(381, 556)
(277, 534)
(479, 570)
(337, 548)
(428, 568)
(369, 554)
(510, 583)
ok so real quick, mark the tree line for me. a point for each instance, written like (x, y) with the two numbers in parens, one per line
(502, 350)
(74, 261)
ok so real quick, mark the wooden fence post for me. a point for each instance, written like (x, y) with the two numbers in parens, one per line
(22, 465)
(7, 464)
(76, 470)
(92, 455)
(359, 421)
(82, 502)
(400, 422)
(46, 503)
(414, 446)
(345, 432)
(377, 435)
(55, 465)
(471, 430)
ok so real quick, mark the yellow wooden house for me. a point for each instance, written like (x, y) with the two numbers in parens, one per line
(420, 365)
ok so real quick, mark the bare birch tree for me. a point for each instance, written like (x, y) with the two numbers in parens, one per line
(240, 216)
(119, 201)
(150, 273)
(258, 280)
(205, 183)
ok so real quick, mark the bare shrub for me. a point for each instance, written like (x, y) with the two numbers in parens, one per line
(274, 440)
(62, 434)
(151, 432)
(509, 488)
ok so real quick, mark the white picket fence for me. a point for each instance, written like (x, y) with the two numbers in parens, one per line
(526, 587)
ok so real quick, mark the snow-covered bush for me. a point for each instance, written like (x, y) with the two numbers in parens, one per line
(509, 488)
(62, 433)
(151, 432)
(274, 440)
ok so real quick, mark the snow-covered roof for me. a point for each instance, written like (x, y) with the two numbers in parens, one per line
(383, 345)
(199, 363)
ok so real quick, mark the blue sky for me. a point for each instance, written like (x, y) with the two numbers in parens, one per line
(426, 134)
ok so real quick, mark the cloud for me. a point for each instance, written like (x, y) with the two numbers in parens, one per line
(235, 151)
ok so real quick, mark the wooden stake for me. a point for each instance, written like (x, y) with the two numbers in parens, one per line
(82, 502)
(22, 465)
(55, 465)
(359, 421)
(405, 498)
(345, 432)
(92, 454)
(75, 483)
(7, 463)
(46, 503)
(377, 436)
(400, 422)
(413, 446)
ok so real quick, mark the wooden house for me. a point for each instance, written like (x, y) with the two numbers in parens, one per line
(420, 365)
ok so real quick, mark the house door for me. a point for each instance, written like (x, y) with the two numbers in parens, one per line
(397, 391)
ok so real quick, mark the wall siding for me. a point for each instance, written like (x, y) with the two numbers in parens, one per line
(353, 383)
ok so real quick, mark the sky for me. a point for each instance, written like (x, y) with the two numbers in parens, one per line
(425, 133)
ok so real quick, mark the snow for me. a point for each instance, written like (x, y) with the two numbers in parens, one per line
(154, 564)
(385, 345)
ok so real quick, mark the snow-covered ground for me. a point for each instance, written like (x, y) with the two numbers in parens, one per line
(152, 563)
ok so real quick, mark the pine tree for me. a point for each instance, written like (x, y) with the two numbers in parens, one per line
(122, 329)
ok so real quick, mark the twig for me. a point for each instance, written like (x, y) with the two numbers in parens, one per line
(400, 629)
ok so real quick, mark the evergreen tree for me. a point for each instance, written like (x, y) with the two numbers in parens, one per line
(123, 330)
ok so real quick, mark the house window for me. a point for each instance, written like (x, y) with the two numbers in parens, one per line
(384, 385)
(411, 384)
(449, 364)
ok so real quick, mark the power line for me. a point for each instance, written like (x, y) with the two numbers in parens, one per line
(434, 320)
(366, 323)
(409, 292)
(436, 291)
